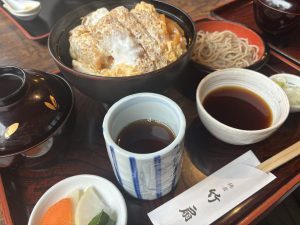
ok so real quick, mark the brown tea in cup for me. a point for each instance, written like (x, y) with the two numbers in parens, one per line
(145, 136)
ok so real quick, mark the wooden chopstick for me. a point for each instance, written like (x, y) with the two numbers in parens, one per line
(280, 158)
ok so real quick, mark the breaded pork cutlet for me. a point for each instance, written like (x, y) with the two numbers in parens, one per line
(154, 23)
(141, 35)
(91, 19)
(162, 29)
(87, 58)
(124, 43)
(121, 44)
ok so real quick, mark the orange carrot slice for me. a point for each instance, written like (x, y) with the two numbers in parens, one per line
(61, 213)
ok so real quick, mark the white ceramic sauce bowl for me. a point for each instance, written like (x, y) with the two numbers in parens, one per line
(107, 191)
(256, 82)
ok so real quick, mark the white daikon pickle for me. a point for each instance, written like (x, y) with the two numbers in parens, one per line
(292, 90)
(89, 205)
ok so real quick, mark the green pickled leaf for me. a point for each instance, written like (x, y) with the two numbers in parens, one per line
(111, 222)
(102, 219)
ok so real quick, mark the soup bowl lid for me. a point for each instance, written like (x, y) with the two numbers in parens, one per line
(33, 107)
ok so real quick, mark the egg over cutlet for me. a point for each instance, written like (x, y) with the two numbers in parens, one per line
(124, 42)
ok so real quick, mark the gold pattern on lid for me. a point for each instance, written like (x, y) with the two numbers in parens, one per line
(11, 129)
(53, 105)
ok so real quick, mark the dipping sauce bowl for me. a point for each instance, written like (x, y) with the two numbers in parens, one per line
(253, 81)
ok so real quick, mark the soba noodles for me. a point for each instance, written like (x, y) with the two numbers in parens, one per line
(220, 50)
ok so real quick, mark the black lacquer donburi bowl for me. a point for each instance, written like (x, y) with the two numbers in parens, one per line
(110, 89)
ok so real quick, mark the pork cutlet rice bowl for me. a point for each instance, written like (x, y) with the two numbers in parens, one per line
(159, 66)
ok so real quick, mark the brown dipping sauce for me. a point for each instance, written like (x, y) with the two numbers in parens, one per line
(239, 108)
(145, 136)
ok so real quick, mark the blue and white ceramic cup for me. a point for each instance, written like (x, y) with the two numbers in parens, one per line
(151, 175)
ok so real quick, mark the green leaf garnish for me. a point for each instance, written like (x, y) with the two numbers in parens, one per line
(102, 218)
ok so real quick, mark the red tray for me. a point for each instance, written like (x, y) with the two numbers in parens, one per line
(85, 153)
(242, 11)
